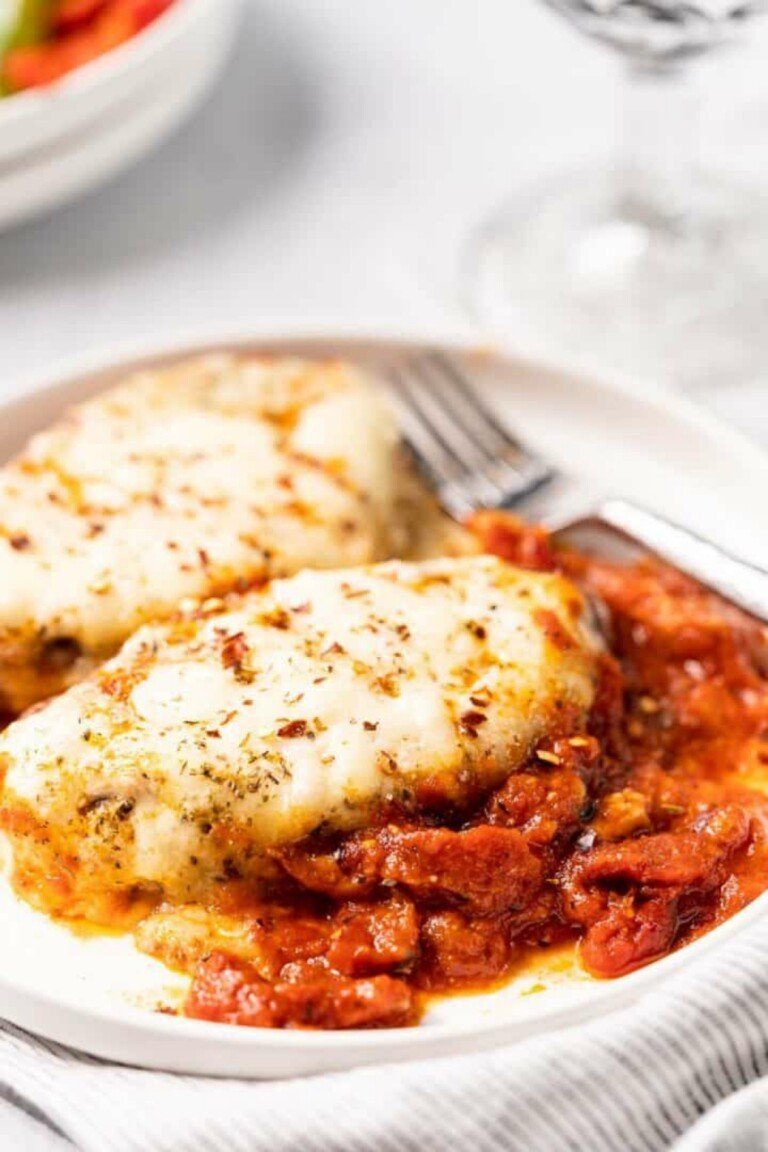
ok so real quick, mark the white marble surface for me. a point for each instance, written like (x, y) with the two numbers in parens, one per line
(331, 178)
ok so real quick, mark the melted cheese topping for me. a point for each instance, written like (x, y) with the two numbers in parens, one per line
(187, 482)
(209, 740)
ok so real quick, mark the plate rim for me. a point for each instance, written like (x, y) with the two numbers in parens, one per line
(186, 341)
(124, 1023)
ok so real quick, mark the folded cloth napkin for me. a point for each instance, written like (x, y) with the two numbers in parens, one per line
(635, 1080)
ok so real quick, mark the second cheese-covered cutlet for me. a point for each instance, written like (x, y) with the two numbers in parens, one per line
(189, 481)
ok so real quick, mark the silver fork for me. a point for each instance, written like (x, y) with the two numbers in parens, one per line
(474, 462)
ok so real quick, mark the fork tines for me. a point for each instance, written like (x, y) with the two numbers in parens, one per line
(472, 460)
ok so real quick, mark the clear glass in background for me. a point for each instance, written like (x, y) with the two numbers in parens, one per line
(656, 262)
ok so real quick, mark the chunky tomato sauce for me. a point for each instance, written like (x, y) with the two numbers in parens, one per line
(627, 839)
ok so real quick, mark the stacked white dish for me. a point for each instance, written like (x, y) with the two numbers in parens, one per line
(62, 140)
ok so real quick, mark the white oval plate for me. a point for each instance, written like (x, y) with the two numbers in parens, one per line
(58, 142)
(97, 993)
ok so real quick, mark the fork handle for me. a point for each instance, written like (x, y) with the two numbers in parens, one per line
(745, 584)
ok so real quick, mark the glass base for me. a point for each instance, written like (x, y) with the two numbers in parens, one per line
(681, 296)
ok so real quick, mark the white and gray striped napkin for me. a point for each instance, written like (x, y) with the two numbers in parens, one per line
(638, 1080)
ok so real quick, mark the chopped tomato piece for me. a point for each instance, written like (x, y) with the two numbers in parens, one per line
(374, 937)
(630, 895)
(457, 950)
(484, 868)
(232, 992)
(69, 13)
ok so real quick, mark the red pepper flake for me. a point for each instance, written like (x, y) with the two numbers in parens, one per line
(293, 729)
(351, 593)
(20, 543)
(277, 618)
(477, 630)
(388, 684)
(471, 721)
(205, 559)
(370, 726)
(234, 650)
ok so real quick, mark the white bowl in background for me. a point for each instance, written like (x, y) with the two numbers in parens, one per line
(39, 117)
(167, 89)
